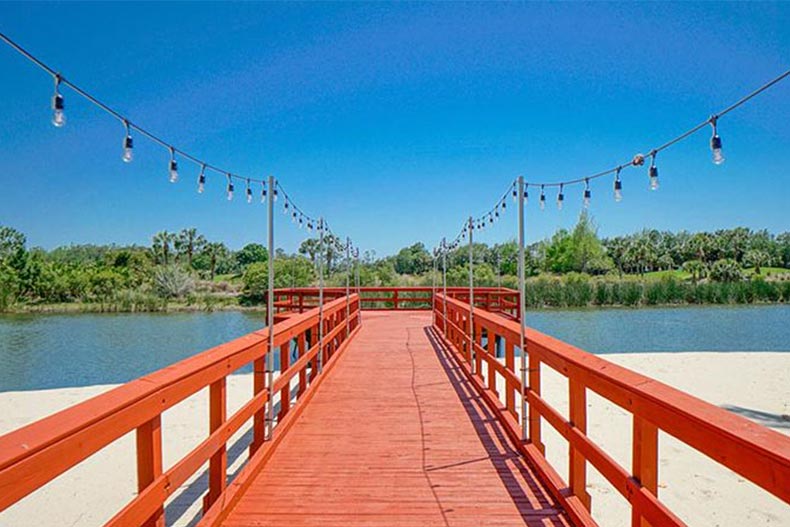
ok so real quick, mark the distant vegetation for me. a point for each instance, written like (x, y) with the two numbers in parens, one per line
(574, 268)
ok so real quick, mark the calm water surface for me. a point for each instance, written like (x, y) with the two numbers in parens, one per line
(54, 351)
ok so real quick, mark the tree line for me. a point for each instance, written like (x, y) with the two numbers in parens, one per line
(571, 268)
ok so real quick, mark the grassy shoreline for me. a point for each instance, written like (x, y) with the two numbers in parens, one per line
(567, 292)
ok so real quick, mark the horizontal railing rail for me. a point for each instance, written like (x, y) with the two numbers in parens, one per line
(494, 299)
(755, 452)
(37, 453)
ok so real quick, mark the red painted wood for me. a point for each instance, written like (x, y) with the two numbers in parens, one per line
(218, 465)
(149, 463)
(395, 436)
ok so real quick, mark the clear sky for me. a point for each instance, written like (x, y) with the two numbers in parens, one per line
(395, 121)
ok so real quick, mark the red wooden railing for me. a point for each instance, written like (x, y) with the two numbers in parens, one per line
(37, 453)
(493, 299)
(755, 452)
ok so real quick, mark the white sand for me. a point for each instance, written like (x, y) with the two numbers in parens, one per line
(700, 491)
(697, 489)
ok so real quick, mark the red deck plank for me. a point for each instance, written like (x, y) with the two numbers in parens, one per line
(396, 437)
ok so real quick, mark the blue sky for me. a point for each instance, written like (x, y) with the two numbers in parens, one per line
(395, 121)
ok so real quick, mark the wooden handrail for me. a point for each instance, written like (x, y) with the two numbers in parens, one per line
(494, 299)
(37, 453)
(757, 453)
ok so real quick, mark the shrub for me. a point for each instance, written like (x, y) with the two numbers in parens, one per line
(172, 281)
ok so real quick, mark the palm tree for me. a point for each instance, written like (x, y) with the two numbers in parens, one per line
(757, 259)
(161, 246)
(309, 247)
(214, 251)
(188, 242)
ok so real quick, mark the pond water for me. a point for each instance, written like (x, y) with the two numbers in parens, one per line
(54, 351)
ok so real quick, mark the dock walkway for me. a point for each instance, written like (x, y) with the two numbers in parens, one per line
(396, 436)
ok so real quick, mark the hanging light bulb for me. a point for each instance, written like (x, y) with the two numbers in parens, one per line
(230, 187)
(285, 206)
(526, 194)
(300, 222)
(560, 198)
(58, 105)
(618, 186)
(542, 198)
(309, 226)
(274, 190)
(715, 143)
(490, 218)
(173, 166)
(293, 217)
(587, 194)
(504, 204)
(202, 179)
(263, 192)
(515, 194)
(249, 191)
(497, 213)
(653, 172)
(128, 145)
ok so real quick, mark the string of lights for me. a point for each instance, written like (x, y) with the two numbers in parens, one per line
(304, 220)
(298, 216)
(638, 160)
(130, 127)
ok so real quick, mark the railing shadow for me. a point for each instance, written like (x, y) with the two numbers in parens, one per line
(497, 445)
(764, 418)
(194, 491)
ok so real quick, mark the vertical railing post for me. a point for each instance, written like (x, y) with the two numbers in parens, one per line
(149, 462)
(577, 463)
(285, 393)
(258, 386)
(270, 321)
(510, 364)
(522, 318)
(645, 463)
(301, 347)
(471, 299)
(532, 413)
(491, 348)
(218, 464)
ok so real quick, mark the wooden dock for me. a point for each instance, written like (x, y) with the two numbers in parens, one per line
(396, 436)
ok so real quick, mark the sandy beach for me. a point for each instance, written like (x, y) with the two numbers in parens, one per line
(756, 385)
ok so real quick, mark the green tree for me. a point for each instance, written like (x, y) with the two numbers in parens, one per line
(414, 259)
(210, 257)
(251, 253)
(757, 258)
(162, 247)
(188, 243)
(12, 248)
(726, 270)
(296, 271)
(696, 269)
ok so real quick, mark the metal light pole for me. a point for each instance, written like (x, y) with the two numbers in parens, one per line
(320, 295)
(471, 299)
(270, 317)
(359, 294)
(348, 285)
(433, 290)
(522, 308)
(444, 285)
